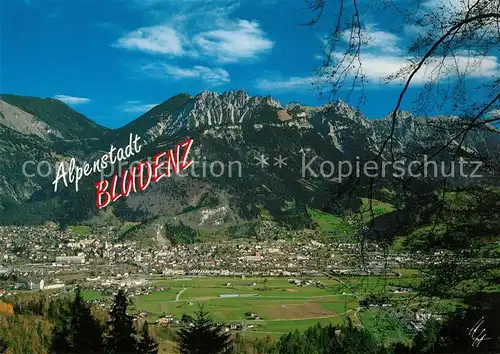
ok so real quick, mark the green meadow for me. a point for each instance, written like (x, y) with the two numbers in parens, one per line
(81, 230)
(281, 306)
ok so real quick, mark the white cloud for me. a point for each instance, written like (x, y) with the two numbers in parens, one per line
(241, 40)
(285, 84)
(168, 9)
(448, 11)
(212, 76)
(494, 113)
(372, 38)
(413, 30)
(377, 67)
(383, 40)
(137, 107)
(206, 15)
(230, 41)
(72, 99)
(444, 4)
(382, 56)
(155, 39)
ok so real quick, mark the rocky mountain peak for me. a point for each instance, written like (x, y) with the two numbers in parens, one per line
(228, 108)
(401, 115)
(342, 108)
(268, 100)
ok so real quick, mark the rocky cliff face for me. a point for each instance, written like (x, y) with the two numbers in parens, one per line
(230, 108)
(62, 121)
(346, 128)
(25, 123)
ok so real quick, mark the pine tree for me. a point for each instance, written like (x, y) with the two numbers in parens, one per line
(61, 330)
(87, 332)
(204, 337)
(359, 341)
(121, 333)
(77, 330)
(147, 344)
(3, 346)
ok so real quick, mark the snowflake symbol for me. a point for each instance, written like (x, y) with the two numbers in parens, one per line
(262, 161)
(280, 161)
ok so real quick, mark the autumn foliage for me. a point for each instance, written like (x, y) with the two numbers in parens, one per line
(6, 308)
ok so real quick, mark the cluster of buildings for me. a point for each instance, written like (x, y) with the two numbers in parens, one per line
(46, 252)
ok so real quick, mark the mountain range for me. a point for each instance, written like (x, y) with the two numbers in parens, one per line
(233, 128)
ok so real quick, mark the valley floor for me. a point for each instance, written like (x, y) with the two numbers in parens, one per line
(261, 307)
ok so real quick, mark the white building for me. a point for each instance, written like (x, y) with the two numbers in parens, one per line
(70, 259)
(53, 286)
(36, 285)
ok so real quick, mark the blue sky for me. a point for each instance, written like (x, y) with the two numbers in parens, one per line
(113, 60)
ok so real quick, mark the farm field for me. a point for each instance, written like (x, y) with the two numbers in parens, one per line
(92, 295)
(280, 306)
